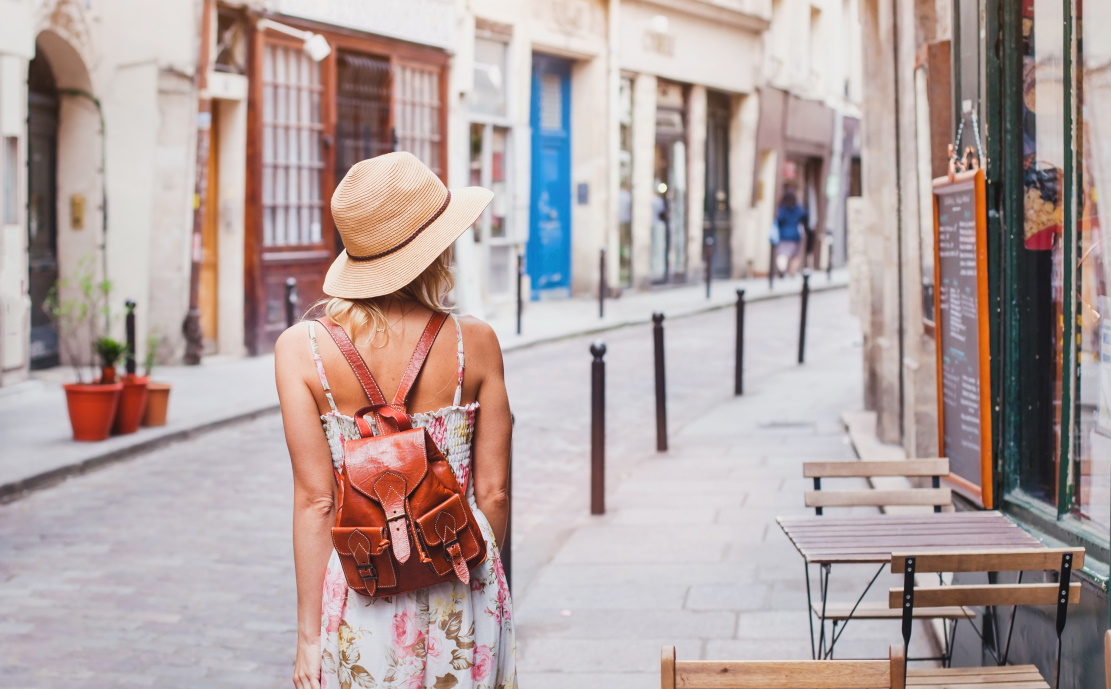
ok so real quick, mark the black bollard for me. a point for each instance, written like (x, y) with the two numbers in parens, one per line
(802, 318)
(771, 267)
(129, 325)
(598, 429)
(739, 370)
(661, 391)
(520, 295)
(602, 283)
(709, 263)
(829, 257)
(291, 299)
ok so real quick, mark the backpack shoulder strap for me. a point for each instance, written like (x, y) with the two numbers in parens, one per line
(358, 365)
(424, 346)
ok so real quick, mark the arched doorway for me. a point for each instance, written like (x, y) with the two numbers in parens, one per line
(42, 206)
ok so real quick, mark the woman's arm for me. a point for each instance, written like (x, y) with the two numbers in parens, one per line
(314, 495)
(493, 431)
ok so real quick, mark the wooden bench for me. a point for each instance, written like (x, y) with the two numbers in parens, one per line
(783, 674)
(936, 496)
(1059, 595)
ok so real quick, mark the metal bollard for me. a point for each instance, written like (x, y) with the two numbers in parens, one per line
(601, 283)
(661, 391)
(129, 325)
(771, 267)
(520, 295)
(598, 429)
(739, 365)
(802, 318)
(291, 301)
(709, 263)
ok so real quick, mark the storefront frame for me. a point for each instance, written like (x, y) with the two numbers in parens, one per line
(999, 102)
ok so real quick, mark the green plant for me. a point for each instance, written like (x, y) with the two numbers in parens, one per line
(109, 350)
(153, 342)
(79, 310)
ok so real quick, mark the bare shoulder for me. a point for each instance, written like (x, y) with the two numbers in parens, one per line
(483, 350)
(291, 351)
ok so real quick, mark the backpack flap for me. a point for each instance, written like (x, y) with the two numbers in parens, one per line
(386, 469)
(451, 543)
(366, 563)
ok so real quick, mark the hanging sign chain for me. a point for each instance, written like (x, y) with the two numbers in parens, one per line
(957, 157)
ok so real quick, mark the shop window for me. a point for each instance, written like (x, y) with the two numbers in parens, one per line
(362, 109)
(489, 162)
(1091, 471)
(418, 110)
(489, 94)
(1042, 251)
(291, 151)
(625, 185)
(1063, 336)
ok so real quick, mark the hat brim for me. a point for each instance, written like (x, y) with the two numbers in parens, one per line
(350, 279)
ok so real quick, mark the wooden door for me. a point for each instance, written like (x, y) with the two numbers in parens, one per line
(209, 287)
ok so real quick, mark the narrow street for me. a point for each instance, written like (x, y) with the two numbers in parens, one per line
(174, 569)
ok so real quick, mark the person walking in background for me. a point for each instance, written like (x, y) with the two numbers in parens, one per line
(398, 223)
(790, 218)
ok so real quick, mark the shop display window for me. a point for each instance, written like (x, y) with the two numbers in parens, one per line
(1063, 333)
(490, 148)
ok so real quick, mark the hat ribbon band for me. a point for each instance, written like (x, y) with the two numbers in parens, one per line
(398, 247)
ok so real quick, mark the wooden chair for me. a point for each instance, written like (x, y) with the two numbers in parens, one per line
(1107, 659)
(782, 674)
(839, 613)
(991, 595)
(936, 496)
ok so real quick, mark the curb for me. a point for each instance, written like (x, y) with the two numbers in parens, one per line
(515, 346)
(11, 492)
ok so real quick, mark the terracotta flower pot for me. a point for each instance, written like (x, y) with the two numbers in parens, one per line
(92, 408)
(108, 375)
(133, 402)
(158, 399)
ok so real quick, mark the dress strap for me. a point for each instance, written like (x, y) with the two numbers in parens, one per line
(459, 350)
(320, 366)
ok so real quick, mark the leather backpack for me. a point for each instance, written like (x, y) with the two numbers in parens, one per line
(403, 522)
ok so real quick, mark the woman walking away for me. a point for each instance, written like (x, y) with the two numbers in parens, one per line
(789, 215)
(398, 222)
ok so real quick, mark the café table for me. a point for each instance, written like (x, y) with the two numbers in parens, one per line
(825, 541)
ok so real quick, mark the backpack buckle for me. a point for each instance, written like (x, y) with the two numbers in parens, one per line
(367, 571)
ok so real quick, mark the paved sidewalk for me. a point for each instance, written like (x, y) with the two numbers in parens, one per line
(689, 552)
(38, 449)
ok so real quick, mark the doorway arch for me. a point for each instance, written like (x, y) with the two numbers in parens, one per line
(64, 180)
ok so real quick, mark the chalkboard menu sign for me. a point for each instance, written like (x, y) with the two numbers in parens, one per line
(961, 305)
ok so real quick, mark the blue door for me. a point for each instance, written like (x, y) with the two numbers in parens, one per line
(549, 243)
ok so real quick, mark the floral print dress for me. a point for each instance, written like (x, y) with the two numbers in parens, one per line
(441, 637)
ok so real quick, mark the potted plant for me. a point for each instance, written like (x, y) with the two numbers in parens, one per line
(109, 352)
(78, 318)
(158, 394)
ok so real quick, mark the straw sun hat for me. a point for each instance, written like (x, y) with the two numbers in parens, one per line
(395, 217)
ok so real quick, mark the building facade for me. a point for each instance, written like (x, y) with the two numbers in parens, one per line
(1020, 89)
(98, 123)
(808, 137)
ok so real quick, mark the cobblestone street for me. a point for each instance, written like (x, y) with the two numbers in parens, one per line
(175, 570)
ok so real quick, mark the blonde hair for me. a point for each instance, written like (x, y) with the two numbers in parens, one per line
(429, 289)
